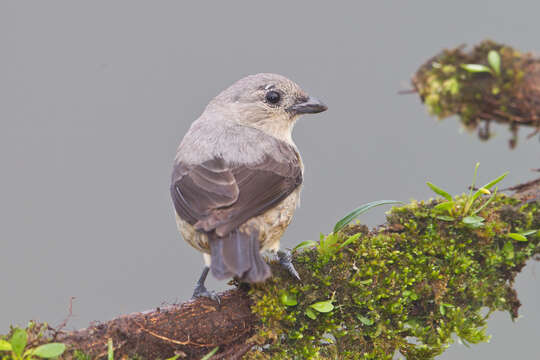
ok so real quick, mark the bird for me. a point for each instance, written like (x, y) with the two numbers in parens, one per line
(237, 177)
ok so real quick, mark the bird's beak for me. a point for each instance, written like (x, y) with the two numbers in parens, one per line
(309, 106)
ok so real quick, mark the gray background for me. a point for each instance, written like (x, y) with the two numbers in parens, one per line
(95, 96)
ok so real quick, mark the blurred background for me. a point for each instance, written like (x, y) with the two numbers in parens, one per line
(96, 96)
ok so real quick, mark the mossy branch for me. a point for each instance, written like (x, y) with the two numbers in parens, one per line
(492, 82)
(417, 277)
(405, 287)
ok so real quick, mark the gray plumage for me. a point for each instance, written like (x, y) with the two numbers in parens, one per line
(237, 174)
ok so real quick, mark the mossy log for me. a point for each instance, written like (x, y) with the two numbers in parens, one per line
(508, 93)
(406, 286)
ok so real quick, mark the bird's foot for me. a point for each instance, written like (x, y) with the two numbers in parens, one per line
(285, 259)
(201, 291)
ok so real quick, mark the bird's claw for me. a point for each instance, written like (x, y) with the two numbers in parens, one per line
(285, 259)
(201, 291)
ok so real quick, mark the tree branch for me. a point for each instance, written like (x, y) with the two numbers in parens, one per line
(369, 292)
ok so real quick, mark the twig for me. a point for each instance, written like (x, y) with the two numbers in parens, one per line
(173, 341)
(407, 91)
(63, 324)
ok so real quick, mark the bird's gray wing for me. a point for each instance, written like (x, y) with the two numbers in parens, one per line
(198, 190)
(216, 196)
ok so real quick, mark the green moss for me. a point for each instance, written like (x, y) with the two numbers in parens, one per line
(405, 287)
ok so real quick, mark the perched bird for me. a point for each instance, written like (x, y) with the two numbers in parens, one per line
(237, 177)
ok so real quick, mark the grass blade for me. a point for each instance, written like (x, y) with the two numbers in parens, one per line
(486, 203)
(528, 232)
(305, 244)
(439, 191)
(474, 178)
(471, 197)
(359, 211)
(350, 240)
(110, 349)
(210, 354)
(489, 185)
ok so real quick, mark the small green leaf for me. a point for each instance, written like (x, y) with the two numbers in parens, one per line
(439, 191)
(445, 218)
(359, 211)
(517, 237)
(288, 299)
(18, 341)
(444, 206)
(508, 250)
(528, 232)
(476, 68)
(305, 244)
(366, 282)
(310, 313)
(323, 306)
(364, 320)
(174, 357)
(351, 239)
(4, 345)
(50, 350)
(471, 198)
(494, 60)
(473, 221)
(210, 354)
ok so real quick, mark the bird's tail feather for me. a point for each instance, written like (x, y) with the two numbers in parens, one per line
(238, 254)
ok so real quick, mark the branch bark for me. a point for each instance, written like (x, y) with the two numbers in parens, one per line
(189, 330)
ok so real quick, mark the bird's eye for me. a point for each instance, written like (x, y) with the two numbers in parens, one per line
(273, 97)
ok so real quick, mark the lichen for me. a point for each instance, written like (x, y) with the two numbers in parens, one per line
(405, 287)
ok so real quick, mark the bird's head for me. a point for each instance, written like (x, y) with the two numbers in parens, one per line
(268, 102)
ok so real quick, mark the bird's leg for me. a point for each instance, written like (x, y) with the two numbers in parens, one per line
(200, 289)
(285, 259)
